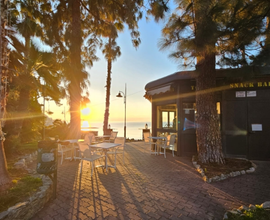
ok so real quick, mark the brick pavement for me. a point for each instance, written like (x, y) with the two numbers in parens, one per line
(151, 187)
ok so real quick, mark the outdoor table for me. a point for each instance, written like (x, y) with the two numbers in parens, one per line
(105, 147)
(101, 137)
(157, 139)
(73, 146)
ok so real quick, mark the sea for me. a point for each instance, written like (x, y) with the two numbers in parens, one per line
(134, 129)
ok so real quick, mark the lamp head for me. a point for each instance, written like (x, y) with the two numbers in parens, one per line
(119, 95)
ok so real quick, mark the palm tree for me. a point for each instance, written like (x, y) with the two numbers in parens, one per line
(37, 66)
(75, 33)
(111, 52)
(42, 68)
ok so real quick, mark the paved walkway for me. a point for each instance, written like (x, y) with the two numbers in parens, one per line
(151, 187)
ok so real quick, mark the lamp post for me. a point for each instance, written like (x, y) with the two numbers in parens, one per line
(120, 95)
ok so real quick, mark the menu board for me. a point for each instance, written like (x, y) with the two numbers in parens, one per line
(256, 127)
(251, 93)
(240, 94)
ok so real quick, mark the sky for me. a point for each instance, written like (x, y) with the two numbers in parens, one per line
(135, 68)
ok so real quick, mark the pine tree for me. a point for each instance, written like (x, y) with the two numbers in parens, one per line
(200, 31)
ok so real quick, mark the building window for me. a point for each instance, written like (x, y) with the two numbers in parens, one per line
(167, 122)
(167, 117)
(190, 115)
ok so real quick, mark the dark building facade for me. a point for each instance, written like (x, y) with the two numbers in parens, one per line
(243, 106)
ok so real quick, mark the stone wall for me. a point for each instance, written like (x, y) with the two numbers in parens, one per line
(27, 209)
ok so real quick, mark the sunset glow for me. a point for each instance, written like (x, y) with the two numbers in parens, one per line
(85, 111)
(85, 126)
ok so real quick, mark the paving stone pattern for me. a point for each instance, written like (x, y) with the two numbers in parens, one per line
(151, 187)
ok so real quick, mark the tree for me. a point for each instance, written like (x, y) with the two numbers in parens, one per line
(200, 31)
(5, 180)
(115, 23)
(208, 134)
(263, 57)
(18, 61)
(76, 67)
(66, 30)
(31, 67)
(74, 35)
(111, 51)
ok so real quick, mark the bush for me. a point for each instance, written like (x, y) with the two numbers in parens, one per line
(258, 213)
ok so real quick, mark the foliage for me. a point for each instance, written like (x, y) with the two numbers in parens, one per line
(257, 213)
(59, 129)
(234, 32)
(111, 52)
(14, 148)
(31, 125)
(74, 31)
(200, 32)
(20, 190)
(32, 67)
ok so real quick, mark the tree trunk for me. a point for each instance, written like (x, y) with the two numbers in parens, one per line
(76, 70)
(5, 180)
(25, 87)
(23, 108)
(208, 135)
(108, 93)
(209, 145)
(75, 117)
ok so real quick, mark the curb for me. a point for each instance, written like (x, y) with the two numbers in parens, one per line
(222, 176)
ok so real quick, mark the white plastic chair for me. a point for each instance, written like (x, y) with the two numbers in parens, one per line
(88, 154)
(64, 150)
(147, 140)
(168, 143)
(89, 138)
(112, 137)
(118, 150)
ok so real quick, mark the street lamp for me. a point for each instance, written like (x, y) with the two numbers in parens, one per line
(120, 95)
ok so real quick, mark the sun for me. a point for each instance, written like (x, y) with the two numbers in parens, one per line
(85, 111)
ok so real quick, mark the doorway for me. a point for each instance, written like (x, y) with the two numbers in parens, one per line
(246, 128)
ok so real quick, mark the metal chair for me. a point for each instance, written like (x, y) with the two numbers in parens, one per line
(112, 137)
(118, 150)
(88, 154)
(168, 143)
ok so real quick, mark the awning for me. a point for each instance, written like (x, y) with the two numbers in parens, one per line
(148, 94)
(159, 90)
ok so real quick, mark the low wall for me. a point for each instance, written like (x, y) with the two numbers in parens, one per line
(27, 209)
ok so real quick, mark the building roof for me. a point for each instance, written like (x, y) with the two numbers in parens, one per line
(163, 85)
(185, 75)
